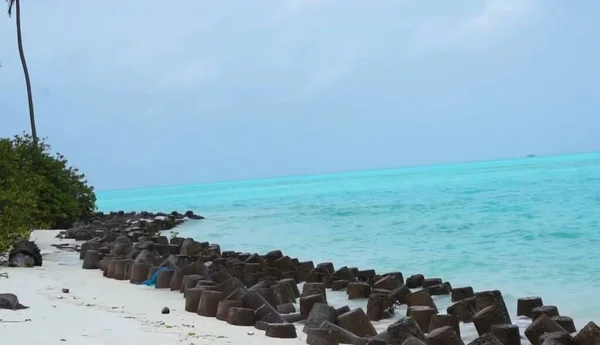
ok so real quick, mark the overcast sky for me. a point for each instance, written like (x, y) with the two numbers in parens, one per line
(143, 93)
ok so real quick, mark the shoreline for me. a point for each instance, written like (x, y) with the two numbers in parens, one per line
(139, 307)
(103, 311)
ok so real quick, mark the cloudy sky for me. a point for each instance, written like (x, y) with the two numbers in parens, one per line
(141, 93)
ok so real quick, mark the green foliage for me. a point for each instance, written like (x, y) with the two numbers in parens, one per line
(38, 189)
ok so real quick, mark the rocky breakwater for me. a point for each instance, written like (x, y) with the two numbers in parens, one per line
(248, 289)
(132, 224)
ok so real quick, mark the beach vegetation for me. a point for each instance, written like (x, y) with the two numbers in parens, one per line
(38, 190)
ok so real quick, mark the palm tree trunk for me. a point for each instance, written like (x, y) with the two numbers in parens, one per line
(25, 71)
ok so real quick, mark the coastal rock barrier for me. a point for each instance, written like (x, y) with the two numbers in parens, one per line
(249, 289)
(132, 224)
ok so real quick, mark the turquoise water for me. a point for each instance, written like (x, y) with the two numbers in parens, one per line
(526, 226)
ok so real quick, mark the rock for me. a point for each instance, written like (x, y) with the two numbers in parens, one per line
(339, 285)
(163, 280)
(507, 334)
(420, 298)
(358, 290)
(230, 286)
(398, 276)
(489, 316)
(413, 341)
(485, 299)
(320, 312)
(273, 256)
(285, 263)
(121, 247)
(322, 336)
(110, 266)
(10, 301)
(122, 269)
(286, 308)
(430, 282)
(400, 294)
(224, 306)
(549, 310)
(192, 215)
(260, 325)
(401, 330)
(438, 321)
(293, 284)
(314, 288)
(190, 247)
(91, 260)
(344, 273)
(283, 293)
(566, 323)
(422, 315)
(139, 272)
(438, 290)
(486, 339)
(461, 293)
(589, 334)
(190, 281)
(343, 309)
(292, 318)
(464, 309)
(269, 295)
(390, 282)
(378, 306)
(525, 306)
(307, 303)
(541, 325)
(365, 275)
(165, 310)
(415, 281)
(357, 322)
(281, 330)
(443, 336)
(556, 338)
(325, 267)
(192, 298)
(369, 341)
(209, 303)
(180, 273)
(241, 316)
(343, 336)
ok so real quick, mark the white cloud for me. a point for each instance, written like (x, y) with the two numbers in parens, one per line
(494, 17)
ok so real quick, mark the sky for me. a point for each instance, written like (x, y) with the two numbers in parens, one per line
(138, 93)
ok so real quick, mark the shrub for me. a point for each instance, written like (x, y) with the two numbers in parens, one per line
(39, 189)
(18, 198)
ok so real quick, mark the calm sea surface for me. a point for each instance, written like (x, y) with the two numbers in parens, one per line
(526, 226)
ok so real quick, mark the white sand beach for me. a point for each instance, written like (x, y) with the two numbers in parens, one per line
(104, 311)
(97, 310)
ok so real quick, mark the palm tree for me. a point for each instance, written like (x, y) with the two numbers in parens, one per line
(17, 5)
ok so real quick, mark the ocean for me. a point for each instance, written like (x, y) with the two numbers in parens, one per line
(528, 227)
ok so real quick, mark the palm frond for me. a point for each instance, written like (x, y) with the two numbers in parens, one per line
(10, 6)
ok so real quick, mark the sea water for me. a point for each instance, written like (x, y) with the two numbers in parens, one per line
(529, 227)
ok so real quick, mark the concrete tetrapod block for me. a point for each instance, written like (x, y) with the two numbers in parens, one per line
(357, 322)
(443, 336)
(281, 330)
(525, 305)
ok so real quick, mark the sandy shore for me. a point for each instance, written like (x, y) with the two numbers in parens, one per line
(98, 310)
(104, 311)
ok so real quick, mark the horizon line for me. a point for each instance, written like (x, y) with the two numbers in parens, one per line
(345, 172)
